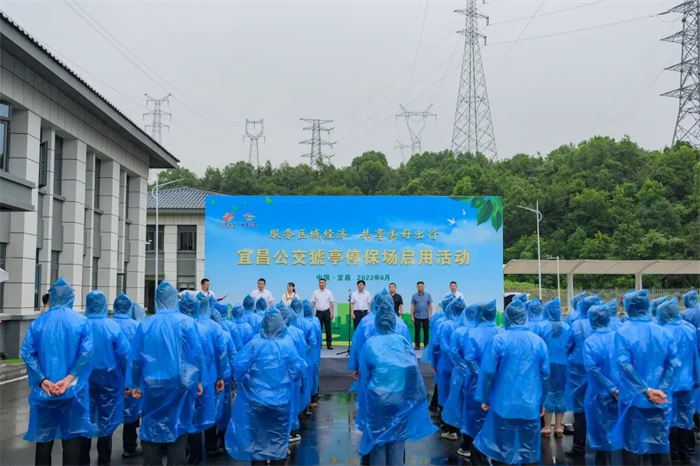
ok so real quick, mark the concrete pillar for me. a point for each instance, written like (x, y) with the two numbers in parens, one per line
(21, 251)
(109, 203)
(199, 264)
(74, 157)
(122, 218)
(570, 289)
(638, 281)
(170, 253)
(89, 221)
(48, 136)
(136, 267)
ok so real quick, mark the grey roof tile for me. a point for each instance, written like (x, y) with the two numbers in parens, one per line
(183, 198)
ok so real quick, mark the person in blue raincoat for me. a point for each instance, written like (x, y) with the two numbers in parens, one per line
(654, 304)
(302, 388)
(316, 351)
(240, 322)
(311, 338)
(233, 343)
(536, 320)
(430, 354)
(687, 377)
(57, 350)
(647, 364)
(106, 386)
(576, 380)
(573, 312)
(556, 336)
(692, 308)
(138, 313)
(612, 311)
(249, 307)
(444, 370)
(266, 370)
(124, 317)
(600, 403)
(392, 401)
(473, 347)
(515, 358)
(261, 307)
(165, 371)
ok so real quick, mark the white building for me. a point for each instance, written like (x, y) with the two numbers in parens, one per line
(73, 185)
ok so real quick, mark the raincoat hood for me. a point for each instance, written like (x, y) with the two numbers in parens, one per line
(637, 303)
(385, 319)
(469, 315)
(297, 306)
(96, 305)
(520, 297)
(166, 297)
(534, 310)
(61, 294)
(189, 305)
(379, 298)
(552, 309)
(122, 306)
(654, 304)
(515, 314)
(599, 316)
(237, 311)
(612, 309)
(690, 299)
(204, 309)
(576, 299)
(485, 311)
(668, 311)
(223, 310)
(586, 303)
(138, 313)
(308, 309)
(272, 326)
(216, 315)
(287, 314)
(446, 301)
(260, 305)
(455, 308)
(248, 303)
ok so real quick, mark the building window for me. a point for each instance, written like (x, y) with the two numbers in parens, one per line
(98, 175)
(121, 283)
(54, 266)
(3, 259)
(43, 165)
(186, 283)
(37, 282)
(95, 271)
(151, 238)
(187, 237)
(126, 201)
(58, 166)
(5, 113)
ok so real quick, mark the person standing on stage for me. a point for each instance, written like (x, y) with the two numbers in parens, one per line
(205, 289)
(398, 300)
(291, 293)
(261, 292)
(421, 311)
(323, 303)
(453, 291)
(359, 303)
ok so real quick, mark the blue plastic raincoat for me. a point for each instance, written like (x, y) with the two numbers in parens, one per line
(266, 370)
(687, 376)
(233, 342)
(576, 381)
(316, 351)
(108, 367)
(431, 353)
(241, 323)
(138, 312)
(302, 394)
(600, 362)
(447, 327)
(215, 352)
(166, 364)
(473, 347)
(646, 359)
(654, 304)
(124, 317)
(312, 342)
(392, 401)
(536, 320)
(612, 312)
(573, 312)
(58, 343)
(513, 382)
(692, 308)
(253, 318)
(556, 337)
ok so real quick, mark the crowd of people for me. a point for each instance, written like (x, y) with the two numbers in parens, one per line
(200, 377)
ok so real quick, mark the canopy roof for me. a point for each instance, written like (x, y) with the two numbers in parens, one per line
(604, 267)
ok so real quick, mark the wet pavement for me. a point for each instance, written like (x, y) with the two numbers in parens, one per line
(328, 435)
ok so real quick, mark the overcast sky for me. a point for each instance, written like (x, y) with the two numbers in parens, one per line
(352, 61)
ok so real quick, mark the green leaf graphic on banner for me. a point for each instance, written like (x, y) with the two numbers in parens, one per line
(213, 202)
(268, 200)
(234, 207)
(477, 202)
(497, 220)
(484, 212)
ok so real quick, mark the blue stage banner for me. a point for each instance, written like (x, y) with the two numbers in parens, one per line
(379, 239)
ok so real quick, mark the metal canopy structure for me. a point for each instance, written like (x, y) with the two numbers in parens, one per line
(603, 267)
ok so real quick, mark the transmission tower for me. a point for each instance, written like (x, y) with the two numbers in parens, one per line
(688, 120)
(402, 147)
(316, 155)
(473, 128)
(157, 113)
(253, 152)
(415, 122)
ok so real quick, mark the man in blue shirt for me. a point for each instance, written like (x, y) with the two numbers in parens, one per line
(421, 311)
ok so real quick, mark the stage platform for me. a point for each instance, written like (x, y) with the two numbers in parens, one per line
(336, 365)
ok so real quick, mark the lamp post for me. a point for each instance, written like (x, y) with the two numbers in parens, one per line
(558, 287)
(536, 210)
(156, 191)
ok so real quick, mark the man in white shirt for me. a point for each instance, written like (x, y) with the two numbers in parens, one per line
(360, 302)
(453, 290)
(323, 303)
(261, 292)
(205, 289)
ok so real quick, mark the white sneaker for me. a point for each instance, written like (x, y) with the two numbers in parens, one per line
(449, 435)
(294, 438)
(465, 453)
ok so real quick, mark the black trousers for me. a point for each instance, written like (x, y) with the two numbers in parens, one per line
(175, 452)
(418, 325)
(579, 444)
(631, 459)
(130, 436)
(325, 318)
(195, 449)
(434, 399)
(682, 444)
(603, 458)
(221, 434)
(357, 317)
(71, 452)
(476, 458)
(104, 450)
(211, 439)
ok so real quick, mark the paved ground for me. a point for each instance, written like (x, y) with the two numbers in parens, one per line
(328, 437)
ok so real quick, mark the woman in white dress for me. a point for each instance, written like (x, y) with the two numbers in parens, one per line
(290, 294)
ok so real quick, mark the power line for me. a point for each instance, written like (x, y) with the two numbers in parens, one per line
(562, 10)
(420, 38)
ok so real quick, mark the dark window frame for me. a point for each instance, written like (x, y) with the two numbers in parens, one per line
(43, 161)
(3, 265)
(5, 123)
(187, 238)
(55, 266)
(98, 182)
(58, 166)
(151, 238)
(95, 272)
